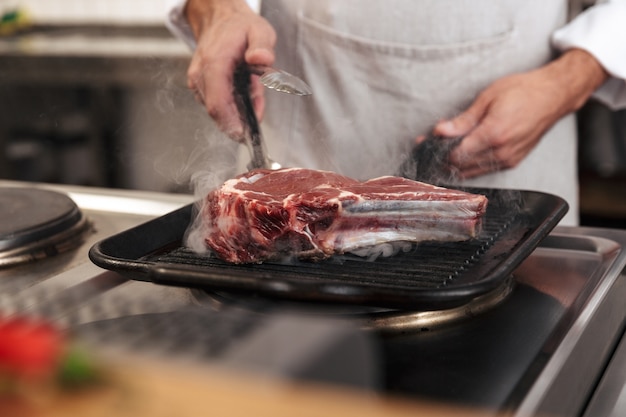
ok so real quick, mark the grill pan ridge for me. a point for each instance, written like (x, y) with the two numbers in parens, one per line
(431, 275)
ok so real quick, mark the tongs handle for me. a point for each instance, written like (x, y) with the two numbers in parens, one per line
(252, 131)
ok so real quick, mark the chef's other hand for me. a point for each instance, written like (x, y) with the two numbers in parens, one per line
(227, 32)
(509, 117)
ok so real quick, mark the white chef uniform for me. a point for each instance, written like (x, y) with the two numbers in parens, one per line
(385, 73)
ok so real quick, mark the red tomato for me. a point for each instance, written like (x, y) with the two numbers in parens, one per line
(29, 347)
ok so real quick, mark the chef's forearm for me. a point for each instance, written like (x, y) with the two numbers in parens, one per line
(579, 74)
(200, 13)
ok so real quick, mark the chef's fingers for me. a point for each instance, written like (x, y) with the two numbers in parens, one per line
(481, 164)
(260, 51)
(420, 139)
(468, 125)
(473, 156)
(492, 146)
(211, 84)
(221, 46)
(261, 41)
(462, 124)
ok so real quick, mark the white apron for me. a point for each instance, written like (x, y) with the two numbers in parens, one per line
(385, 73)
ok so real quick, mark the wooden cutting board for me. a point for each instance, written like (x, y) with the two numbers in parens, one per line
(152, 389)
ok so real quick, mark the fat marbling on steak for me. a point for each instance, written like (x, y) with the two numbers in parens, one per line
(267, 214)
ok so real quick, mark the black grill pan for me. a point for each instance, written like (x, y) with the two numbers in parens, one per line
(429, 276)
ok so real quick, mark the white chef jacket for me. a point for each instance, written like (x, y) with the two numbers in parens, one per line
(551, 167)
(601, 31)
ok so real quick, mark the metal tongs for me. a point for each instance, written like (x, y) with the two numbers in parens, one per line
(280, 80)
(271, 78)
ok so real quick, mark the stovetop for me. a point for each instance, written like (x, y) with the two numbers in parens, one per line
(543, 350)
(108, 212)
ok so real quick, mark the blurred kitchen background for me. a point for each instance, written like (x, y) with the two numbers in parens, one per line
(94, 93)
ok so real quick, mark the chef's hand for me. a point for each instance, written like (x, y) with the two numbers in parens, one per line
(509, 117)
(227, 32)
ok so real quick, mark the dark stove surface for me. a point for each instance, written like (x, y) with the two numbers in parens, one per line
(35, 223)
(494, 359)
(27, 213)
(485, 362)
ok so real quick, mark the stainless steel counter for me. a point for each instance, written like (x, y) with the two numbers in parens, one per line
(544, 350)
(109, 212)
(610, 398)
(76, 294)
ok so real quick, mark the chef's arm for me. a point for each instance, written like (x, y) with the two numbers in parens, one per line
(579, 74)
(223, 33)
(495, 137)
(592, 63)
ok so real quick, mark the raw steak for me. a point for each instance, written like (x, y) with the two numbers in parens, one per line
(266, 214)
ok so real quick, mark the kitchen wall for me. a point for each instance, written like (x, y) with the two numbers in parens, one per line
(133, 12)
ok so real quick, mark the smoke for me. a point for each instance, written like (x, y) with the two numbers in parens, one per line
(195, 146)
(194, 156)
(385, 250)
(428, 161)
(211, 163)
(196, 231)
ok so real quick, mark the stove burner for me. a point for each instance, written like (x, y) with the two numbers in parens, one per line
(369, 318)
(36, 224)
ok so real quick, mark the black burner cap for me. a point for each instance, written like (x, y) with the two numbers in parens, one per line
(28, 215)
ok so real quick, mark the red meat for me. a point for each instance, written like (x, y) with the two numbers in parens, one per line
(266, 214)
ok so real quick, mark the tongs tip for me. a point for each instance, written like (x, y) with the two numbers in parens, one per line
(281, 81)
